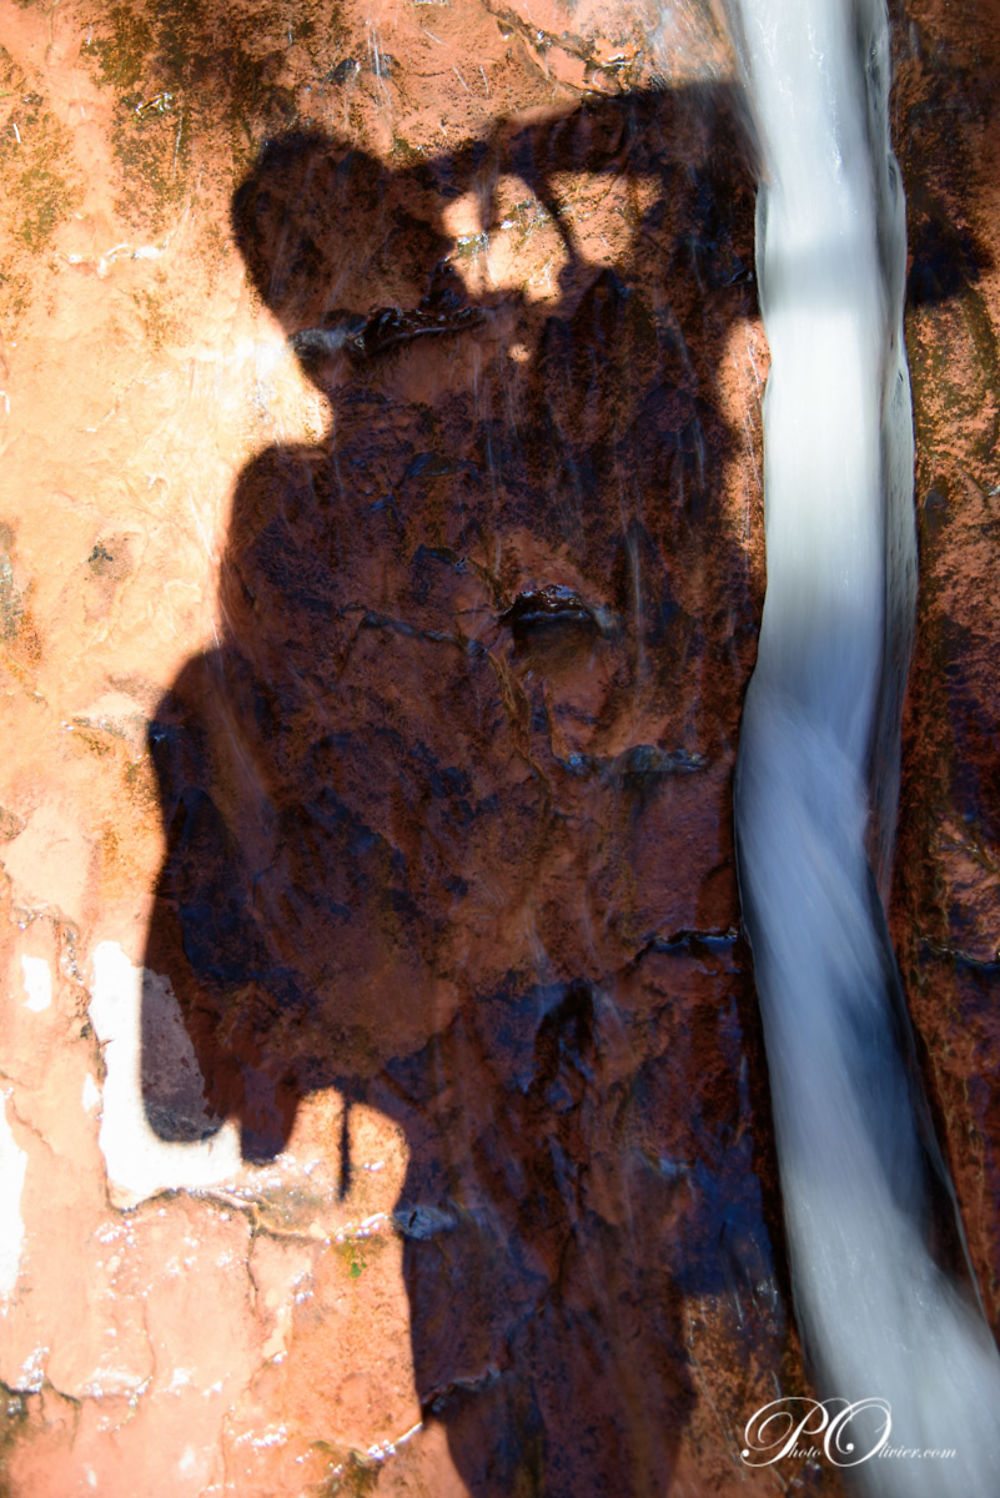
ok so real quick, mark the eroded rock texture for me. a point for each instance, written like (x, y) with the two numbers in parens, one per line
(947, 899)
(384, 1102)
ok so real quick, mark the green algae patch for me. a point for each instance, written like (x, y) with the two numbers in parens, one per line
(45, 199)
(359, 1253)
(38, 192)
(152, 151)
(159, 325)
(198, 89)
(10, 600)
(122, 54)
(357, 1477)
(13, 1423)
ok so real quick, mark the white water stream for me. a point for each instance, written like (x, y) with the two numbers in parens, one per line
(865, 1191)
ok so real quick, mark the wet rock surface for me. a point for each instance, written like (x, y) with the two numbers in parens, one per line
(385, 1108)
(946, 907)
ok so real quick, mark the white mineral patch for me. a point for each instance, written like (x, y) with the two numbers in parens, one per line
(13, 1164)
(139, 1163)
(188, 1464)
(37, 979)
(31, 1378)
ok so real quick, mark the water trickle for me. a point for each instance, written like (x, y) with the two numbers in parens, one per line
(884, 1309)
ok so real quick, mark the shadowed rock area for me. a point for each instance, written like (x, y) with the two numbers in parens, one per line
(383, 1103)
(426, 804)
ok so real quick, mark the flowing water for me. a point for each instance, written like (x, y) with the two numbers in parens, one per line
(877, 1257)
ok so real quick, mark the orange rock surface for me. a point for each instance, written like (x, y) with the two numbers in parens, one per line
(383, 1101)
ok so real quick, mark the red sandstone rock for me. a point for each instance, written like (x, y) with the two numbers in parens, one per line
(529, 1198)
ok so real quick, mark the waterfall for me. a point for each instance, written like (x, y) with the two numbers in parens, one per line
(876, 1247)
